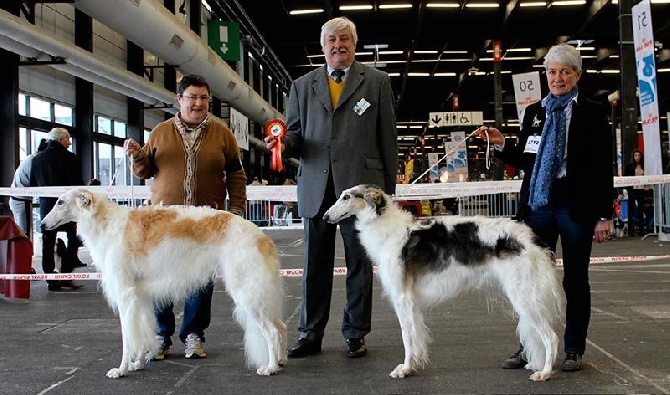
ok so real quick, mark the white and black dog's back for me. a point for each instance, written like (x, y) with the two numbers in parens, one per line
(424, 262)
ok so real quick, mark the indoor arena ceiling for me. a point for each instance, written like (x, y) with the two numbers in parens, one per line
(435, 50)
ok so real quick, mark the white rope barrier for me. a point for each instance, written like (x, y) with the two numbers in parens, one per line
(338, 271)
(288, 193)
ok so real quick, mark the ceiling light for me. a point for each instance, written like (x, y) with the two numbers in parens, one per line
(663, 70)
(418, 74)
(512, 50)
(444, 74)
(306, 11)
(443, 5)
(508, 58)
(376, 46)
(391, 52)
(394, 74)
(609, 71)
(585, 48)
(356, 7)
(568, 2)
(482, 5)
(374, 63)
(533, 4)
(394, 6)
(426, 52)
(445, 60)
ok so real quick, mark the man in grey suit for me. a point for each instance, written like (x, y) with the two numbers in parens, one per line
(341, 126)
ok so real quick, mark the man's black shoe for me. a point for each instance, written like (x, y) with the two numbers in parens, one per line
(54, 287)
(356, 348)
(304, 347)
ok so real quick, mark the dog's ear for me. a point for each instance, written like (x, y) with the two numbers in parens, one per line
(373, 197)
(84, 199)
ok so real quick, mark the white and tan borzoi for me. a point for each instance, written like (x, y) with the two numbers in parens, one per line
(158, 254)
(422, 263)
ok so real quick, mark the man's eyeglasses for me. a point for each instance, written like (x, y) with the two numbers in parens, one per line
(196, 98)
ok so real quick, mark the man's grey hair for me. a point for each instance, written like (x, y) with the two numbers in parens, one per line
(335, 24)
(564, 53)
(57, 134)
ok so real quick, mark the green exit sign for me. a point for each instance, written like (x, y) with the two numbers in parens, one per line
(224, 38)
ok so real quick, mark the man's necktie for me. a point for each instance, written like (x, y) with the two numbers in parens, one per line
(337, 75)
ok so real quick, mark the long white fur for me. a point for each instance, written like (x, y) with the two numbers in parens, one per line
(528, 279)
(175, 267)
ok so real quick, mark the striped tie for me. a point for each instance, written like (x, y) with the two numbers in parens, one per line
(337, 75)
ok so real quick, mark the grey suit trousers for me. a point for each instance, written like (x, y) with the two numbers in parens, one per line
(317, 279)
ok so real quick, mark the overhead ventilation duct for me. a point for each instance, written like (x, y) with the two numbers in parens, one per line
(150, 25)
(31, 41)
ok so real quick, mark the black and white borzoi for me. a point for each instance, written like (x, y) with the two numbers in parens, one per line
(421, 263)
(157, 254)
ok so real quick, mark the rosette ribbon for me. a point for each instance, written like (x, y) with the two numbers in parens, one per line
(276, 128)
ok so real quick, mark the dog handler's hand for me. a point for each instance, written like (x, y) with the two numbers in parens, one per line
(494, 135)
(270, 142)
(130, 146)
(603, 230)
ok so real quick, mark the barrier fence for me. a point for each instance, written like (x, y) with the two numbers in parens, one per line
(275, 206)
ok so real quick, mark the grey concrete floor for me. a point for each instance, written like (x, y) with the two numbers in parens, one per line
(64, 343)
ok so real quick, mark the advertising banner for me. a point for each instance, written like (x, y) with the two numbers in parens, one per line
(239, 125)
(457, 161)
(643, 39)
(527, 90)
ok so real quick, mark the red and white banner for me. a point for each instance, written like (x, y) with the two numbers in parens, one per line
(338, 271)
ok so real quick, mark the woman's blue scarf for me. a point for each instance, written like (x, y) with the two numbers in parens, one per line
(549, 158)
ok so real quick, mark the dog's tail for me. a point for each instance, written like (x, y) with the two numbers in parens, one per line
(252, 280)
(537, 330)
(263, 326)
(535, 290)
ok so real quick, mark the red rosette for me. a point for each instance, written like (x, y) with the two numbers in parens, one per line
(276, 128)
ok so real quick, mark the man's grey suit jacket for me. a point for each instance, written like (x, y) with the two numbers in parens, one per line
(358, 145)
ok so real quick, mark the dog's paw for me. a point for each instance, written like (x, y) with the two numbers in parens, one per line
(115, 373)
(540, 376)
(401, 371)
(137, 364)
(267, 371)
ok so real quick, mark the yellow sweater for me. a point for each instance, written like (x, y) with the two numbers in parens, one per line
(335, 91)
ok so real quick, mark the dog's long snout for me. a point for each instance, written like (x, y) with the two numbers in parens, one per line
(329, 217)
